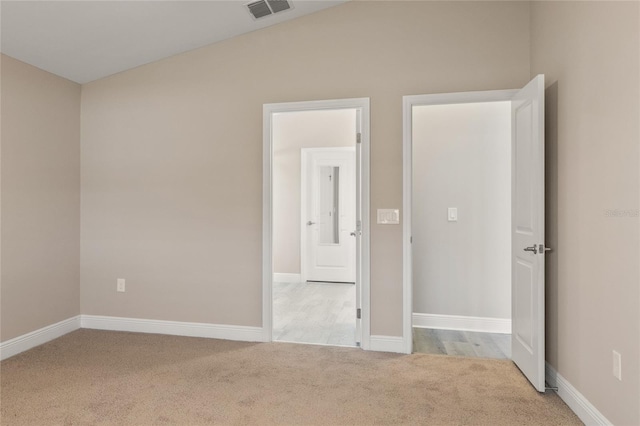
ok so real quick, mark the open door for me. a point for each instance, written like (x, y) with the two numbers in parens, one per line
(528, 249)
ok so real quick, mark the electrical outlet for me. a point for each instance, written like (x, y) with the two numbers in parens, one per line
(120, 285)
(617, 365)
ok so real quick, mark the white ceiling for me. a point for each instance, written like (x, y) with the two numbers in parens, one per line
(87, 40)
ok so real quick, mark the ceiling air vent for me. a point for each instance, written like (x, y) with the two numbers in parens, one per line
(261, 8)
(278, 5)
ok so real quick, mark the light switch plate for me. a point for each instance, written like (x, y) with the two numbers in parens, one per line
(388, 216)
(452, 214)
(617, 365)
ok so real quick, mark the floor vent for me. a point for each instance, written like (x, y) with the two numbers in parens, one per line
(261, 8)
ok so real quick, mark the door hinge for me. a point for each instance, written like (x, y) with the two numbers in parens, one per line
(359, 313)
(358, 137)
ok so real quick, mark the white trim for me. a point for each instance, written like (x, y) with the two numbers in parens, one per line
(365, 239)
(574, 399)
(281, 277)
(267, 226)
(464, 323)
(174, 328)
(38, 337)
(408, 102)
(387, 344)
(268, 110)
(461, 97)
(407, 203)
(303, 214)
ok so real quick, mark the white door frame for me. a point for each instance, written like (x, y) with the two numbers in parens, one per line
(304, 214)
(362, 105)
(408, 102)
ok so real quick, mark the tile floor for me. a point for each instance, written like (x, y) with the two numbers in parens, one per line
(321, 313)
(324, 313)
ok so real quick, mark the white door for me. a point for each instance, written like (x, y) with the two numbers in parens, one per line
(330, 201)
(527, 338)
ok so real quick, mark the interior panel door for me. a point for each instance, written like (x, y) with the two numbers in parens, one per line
(331, 205)
(528, 286)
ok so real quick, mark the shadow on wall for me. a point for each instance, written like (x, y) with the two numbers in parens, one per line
(551, 222)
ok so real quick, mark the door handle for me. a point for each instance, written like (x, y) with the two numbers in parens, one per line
(533, 248)
(310, 223)
(353, 234)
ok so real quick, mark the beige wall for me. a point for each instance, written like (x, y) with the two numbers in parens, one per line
(590, 54)
(40, 198)
(462, 158)
(171, 168)
(172, 151)
(291, 132)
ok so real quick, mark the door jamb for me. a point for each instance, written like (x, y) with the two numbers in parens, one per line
(408, 102)
(361, 104)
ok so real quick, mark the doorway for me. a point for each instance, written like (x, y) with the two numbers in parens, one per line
(462, 229)
(315, 217)
(526, 230)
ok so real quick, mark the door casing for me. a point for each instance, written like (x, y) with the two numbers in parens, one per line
(362, 106)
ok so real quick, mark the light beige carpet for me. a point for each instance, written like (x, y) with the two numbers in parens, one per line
(99, 377)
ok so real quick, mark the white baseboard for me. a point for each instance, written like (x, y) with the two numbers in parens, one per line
(386, 344)
(280, 277)
(38, 337)
(574, 399)
(175, 328)
(458, 322)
